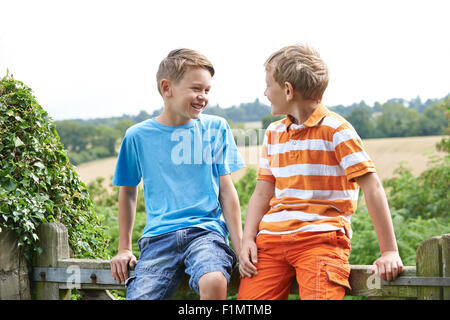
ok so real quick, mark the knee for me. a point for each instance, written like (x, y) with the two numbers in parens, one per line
(213, 285)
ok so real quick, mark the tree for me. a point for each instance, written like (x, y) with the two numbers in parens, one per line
(398, 121)
(434, 120)
(444, 144)
(361, 120)
(123, 125)
(103, 136)
(73, 134)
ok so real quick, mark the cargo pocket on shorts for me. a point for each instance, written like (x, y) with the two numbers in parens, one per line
(336, 273)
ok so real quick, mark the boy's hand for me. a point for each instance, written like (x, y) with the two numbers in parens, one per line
(119, 265)
(388, 266)
(248, 256)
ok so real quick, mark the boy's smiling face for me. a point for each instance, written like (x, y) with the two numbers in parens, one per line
(189, 96)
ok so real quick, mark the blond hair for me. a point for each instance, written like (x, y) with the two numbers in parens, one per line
(301, 66)
(178, 61)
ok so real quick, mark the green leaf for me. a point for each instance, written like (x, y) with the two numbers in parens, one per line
(18, 142)
(39, 215)
(10, 185)
(4, 207)
(39, 165)
(36, 179)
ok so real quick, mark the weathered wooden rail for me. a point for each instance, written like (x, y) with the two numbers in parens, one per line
(54, 274)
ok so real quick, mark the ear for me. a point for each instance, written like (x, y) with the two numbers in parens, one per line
(288, 91)
(166, 88)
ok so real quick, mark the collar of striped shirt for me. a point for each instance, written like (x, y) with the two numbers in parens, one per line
(314, 119)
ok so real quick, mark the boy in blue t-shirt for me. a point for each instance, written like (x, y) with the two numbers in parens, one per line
(184, 159)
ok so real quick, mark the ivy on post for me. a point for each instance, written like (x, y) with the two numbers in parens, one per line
(38, 184)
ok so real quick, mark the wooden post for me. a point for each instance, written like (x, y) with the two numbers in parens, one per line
(429, 264)
(53, 239)
(14, 281)
(445, 244)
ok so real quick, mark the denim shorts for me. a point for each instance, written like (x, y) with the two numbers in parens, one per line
(165, 258)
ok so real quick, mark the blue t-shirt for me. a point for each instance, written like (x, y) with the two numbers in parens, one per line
(180, 167)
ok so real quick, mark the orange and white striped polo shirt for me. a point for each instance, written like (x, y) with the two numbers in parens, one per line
(313, 166)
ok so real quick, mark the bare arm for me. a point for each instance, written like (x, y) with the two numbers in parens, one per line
(127, 214)
(229, 200)
(257, 207)
(389, 265)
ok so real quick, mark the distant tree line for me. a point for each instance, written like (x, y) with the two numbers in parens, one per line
(92, 139)
(86, 141)
(395, 118)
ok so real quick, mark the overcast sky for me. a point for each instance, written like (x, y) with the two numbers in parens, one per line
(88, 59)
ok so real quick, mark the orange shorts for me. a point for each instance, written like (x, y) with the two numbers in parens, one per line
(319, 260)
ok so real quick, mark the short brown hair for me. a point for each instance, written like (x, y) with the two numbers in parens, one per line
(178, 61)
(302, 66)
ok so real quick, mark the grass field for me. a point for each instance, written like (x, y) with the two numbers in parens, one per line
(386, 153)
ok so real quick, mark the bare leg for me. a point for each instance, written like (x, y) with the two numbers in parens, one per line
(213, 286)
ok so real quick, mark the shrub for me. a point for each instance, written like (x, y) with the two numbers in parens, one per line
(245, 187)
(424, 196)
(37, 182)
(409, 232)
(419, 210)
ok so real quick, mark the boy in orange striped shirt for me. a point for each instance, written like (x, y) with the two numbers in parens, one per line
(311, 168)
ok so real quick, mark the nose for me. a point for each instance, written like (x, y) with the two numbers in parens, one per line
(202, 96)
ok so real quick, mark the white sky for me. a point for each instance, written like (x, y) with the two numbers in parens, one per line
(87, 59)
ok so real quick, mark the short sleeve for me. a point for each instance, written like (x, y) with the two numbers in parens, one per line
(227, 157)
(349, 151)
(128, 171)
(264, 172)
